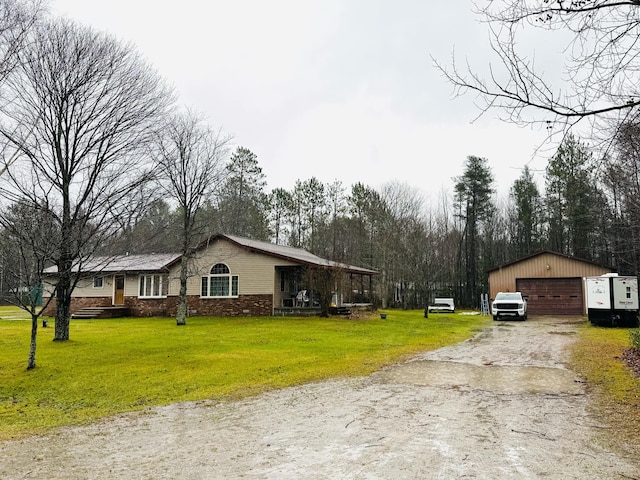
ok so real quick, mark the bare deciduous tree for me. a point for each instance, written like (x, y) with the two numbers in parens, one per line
(191, 161)
(17, 19)
(400, 217)
(29, 243)
(601, 70)
(81, 113)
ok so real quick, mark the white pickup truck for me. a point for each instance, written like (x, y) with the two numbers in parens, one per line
(442, 305)
(509, 305)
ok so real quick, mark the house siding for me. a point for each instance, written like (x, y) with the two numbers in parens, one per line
(255, 271)
(85, 287)
(131, 285)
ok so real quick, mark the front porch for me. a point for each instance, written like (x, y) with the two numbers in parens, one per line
(297, 292)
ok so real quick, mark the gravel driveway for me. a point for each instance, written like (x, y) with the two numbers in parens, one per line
(501, 405)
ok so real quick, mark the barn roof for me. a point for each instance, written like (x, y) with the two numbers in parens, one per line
(543, 252)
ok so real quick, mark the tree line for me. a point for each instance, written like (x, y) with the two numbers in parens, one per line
(99, 159)
(582, 206)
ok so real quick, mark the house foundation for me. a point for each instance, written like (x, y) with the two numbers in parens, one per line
(244, 305)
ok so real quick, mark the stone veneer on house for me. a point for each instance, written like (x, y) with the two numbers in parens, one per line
(249, 305)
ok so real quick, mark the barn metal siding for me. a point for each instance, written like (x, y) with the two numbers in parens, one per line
(546, 265)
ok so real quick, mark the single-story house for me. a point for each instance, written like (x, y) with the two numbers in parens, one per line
(552, 282)
(229, 275)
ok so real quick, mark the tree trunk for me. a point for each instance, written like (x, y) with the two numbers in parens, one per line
(383, 292)
(181, 315)
(65, 266)
(324, 283)
(32, 348)
(63, 306)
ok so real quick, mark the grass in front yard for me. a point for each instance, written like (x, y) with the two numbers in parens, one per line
(116, 365)
(597, 357)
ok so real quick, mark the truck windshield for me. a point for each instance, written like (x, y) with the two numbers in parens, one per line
(508, 296)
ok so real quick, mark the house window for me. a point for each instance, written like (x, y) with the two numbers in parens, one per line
(219, 282)
(153, 286)
(98, 282)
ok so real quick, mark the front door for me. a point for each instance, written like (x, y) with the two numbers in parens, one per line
(118, 291)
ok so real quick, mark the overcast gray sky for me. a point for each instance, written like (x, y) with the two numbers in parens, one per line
(337, 89)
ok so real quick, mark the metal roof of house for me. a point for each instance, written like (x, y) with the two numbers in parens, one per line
(291, 253)
(162, 261)
(151, 262)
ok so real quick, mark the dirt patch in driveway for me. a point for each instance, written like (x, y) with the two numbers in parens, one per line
(501, 405)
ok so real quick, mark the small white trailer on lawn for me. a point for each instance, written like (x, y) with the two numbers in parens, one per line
(612, 300)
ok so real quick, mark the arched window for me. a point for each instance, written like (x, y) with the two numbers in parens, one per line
(219, 269)
(219, 283)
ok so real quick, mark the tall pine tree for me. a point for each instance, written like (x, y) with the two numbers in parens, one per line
(473, 191)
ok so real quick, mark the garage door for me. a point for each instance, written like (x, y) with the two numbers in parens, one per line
(552, 296)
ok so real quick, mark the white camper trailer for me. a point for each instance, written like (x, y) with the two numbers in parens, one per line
(612, 300)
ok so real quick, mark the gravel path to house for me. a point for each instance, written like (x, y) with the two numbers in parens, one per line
(499, 406)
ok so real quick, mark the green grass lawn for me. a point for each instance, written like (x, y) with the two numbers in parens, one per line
(116, 365)
(597, 357)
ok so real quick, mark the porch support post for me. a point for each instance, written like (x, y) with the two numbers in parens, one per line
(370, 289)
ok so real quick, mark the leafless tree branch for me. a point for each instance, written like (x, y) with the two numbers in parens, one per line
(601, 62)
(191, 167)
(82, 109)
